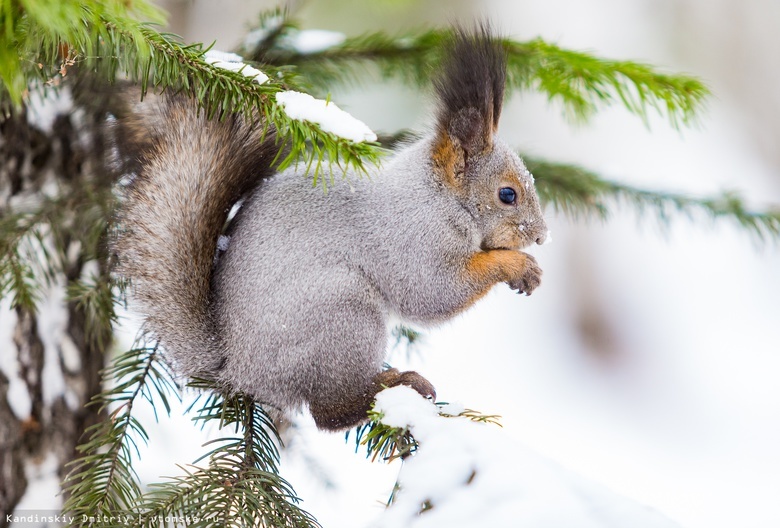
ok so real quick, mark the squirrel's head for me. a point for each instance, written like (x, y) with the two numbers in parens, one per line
(485, 175)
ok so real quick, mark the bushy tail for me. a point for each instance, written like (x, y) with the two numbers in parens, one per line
(190, 171)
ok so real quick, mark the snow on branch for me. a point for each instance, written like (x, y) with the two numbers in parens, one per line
(313, 40)
(233, 62)
(467, 474)
(329, 117)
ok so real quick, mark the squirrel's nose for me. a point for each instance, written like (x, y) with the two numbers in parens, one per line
(544, 238)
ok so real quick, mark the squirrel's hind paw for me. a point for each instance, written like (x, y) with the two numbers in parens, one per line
(393, 377)
(418, 383)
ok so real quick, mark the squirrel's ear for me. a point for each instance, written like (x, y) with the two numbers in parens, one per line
(470, 90)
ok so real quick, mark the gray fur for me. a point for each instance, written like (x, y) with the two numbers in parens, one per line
(305, 290)
(295, 311)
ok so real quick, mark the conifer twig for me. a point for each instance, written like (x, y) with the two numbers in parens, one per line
(240, 486)
(388, 443)
(578, 192)
(580, 81)
(102, 482)
(35, 239)
(111, 41)
(179, 67)
(38, 39)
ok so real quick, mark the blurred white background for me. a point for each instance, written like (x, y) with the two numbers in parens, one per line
(649, 360)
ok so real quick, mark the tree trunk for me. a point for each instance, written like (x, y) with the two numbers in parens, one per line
(52, 359)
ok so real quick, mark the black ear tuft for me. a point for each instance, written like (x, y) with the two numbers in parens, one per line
(470, 87)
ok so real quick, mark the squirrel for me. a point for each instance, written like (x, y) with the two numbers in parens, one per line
(295, 310)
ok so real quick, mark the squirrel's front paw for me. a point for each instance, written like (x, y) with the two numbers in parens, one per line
(392, 378)
(530, 277)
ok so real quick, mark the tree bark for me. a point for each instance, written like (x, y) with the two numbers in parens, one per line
(37, 161)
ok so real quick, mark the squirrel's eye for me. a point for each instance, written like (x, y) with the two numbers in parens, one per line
(507, 195)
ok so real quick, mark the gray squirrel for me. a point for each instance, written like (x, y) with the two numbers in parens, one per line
(295, 311)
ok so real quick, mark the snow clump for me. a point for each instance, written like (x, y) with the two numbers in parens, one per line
(470, 474)
(330, 118)
(234, 62)
(314, 40)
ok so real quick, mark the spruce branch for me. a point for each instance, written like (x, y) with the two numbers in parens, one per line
(409, 57)
(405, 335)
(108, 40)
(36, 236)
(388, 443)
(580, 81)
(578, 192)
(22, 270)
(95, 296)
(241, 485)
(382, 441)
(102, 482)
(38, 38)
(263, 40)
(28, 263)
(183, 68)
(18, 258)
(18, 279)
